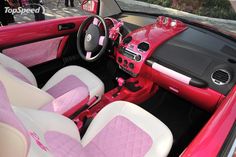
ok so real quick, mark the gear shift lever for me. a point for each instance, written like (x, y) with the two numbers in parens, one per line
(121, 83)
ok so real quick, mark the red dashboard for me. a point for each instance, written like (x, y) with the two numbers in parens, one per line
(138, 46)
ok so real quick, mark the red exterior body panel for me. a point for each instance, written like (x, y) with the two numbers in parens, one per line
(211, 138)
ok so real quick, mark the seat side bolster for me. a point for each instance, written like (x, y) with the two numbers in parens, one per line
(12, 143)
(23, 94)
(11, 63)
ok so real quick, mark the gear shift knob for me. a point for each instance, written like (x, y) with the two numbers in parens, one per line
(120, 81)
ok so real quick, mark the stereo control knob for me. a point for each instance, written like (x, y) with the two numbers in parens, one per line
(138, 58)
(119, 59)
(131, 65)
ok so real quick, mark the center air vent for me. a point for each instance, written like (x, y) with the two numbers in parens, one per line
(221, 77)
(143, 46)
(127, 40)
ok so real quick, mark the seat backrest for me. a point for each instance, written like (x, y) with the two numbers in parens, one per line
(21, 93)
(17, 69)
(14, 140)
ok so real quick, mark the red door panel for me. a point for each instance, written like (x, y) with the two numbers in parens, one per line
(20, 34)
(38, 42)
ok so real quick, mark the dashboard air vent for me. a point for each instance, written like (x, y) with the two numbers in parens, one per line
(221, 77)
(127, 40)
(143, 46)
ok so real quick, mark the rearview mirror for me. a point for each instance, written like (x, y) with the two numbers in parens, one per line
(90, 6)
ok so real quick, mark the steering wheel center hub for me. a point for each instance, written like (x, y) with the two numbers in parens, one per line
(91, 42)
(89, 37)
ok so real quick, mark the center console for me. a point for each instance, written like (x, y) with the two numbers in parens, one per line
(140, 44)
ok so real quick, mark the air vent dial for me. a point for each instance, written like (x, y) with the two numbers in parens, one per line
(221, 77)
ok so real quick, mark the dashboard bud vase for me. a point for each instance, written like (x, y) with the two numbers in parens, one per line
(115, 31)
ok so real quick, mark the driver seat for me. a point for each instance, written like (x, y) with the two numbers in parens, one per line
(66, 90)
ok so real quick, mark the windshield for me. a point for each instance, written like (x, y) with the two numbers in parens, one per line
(23, 11)
(217, 14)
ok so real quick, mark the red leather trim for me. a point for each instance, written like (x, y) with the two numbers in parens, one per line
(76, 107)
(36, 31)
(62, 46)
(211, 138)
(205, 98)
(147, 91)
(159, 31)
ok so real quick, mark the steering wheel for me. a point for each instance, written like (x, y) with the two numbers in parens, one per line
(92, 40)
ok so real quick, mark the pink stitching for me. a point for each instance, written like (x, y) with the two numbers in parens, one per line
(37, 140)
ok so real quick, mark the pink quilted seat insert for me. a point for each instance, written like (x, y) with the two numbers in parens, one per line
(70, 94)
(73, 99)
(119, 138)
(62, 145)
(68, 83)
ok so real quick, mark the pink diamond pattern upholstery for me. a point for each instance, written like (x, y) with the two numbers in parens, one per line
(68, 102)
(53, 135)
(120, 137)
(66, 85)
(62, 145)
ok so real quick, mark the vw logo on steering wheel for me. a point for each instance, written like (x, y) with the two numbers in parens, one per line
(89, 37)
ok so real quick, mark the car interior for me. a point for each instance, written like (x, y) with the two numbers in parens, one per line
(94, 69)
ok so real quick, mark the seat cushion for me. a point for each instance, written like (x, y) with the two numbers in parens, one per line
(132, 121)
(71, 76)
(120, 138)
(62, 145)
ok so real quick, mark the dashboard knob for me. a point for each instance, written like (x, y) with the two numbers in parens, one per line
(125, 62)
(119, 59)
(131, 65)
(138, 58)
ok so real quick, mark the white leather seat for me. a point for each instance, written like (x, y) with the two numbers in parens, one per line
(67, 84)
(121, 129)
